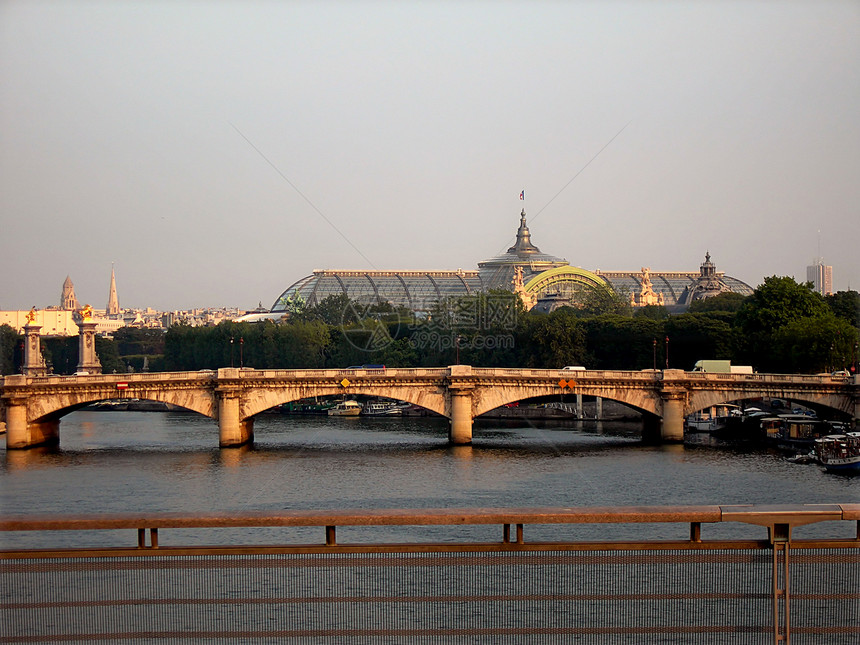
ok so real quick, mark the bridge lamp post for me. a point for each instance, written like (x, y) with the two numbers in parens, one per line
(241, 346)
(655, 354)
(457, 346)
(231, 351)
(667, 352)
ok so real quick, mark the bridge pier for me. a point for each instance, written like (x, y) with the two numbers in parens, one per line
(21, 435)
(460, 431)
(672, 427)
(233, 430)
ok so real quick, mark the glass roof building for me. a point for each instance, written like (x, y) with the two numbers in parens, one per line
(498, 272)
(415, 290)
(523, 268)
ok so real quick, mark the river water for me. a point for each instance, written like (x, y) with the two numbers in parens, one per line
(127, 462)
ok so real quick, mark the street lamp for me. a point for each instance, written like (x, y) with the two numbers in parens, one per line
(231, 351)
(655, 354)
(667, 352)
(457, 345)
(241, 346)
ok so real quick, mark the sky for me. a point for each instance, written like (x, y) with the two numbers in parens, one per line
(216, 152)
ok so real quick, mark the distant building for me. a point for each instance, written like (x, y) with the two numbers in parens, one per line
(543, 281)
(821, 277)
(113, 301)
(54, 322)
(68, 301)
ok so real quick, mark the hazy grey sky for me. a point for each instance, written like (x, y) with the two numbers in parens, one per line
(412, 127)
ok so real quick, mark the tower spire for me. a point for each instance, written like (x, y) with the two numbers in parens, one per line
(524, 241)
(68, 301)
(113, 301)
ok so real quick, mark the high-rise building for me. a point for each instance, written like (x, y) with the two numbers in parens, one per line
(113, 301)
(821, 277)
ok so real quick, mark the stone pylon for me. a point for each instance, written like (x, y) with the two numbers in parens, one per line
(34, 362)
(88, 360)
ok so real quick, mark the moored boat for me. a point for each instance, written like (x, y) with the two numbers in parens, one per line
(382, 409)
(839, 453)
(793, 430)
(713, 419)
(345, 409)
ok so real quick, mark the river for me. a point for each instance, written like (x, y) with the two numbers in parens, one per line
(123, 462)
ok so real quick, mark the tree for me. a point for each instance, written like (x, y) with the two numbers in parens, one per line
(728, 301)
(134, 340)
(9, 341)
(106, 350)
(552, 340)
(777, 302)
(303, 344)
(618, 342)
(654, 312)
(481, 328)
(814, 344)
(696, 336)
(61, 353)
(336, 309)
(600, 300)
(845, 305)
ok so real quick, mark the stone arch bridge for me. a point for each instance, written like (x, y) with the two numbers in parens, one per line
(32, 407)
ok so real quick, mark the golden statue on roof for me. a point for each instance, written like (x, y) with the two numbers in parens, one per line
(87, 313)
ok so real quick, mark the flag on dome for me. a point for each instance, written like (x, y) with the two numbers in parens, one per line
(522, 195)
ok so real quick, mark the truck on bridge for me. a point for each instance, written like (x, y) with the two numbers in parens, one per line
(721, 367)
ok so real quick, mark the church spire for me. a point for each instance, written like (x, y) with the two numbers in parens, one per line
(113, 301)
(68, 301)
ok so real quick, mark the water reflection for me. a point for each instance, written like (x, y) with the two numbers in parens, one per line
(233, 457)
(150, 461)
(26, 459)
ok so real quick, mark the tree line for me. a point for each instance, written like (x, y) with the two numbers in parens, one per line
(782, 327)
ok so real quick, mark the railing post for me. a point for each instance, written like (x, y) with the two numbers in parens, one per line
(780, 537)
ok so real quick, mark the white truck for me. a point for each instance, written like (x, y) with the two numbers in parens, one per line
(721, 367)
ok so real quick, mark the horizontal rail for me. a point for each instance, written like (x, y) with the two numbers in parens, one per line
(685, 588)
(763, 515)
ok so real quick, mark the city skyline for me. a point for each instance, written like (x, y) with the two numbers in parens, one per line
(216, 154)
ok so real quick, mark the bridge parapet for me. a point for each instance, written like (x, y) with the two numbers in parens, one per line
(33, 405)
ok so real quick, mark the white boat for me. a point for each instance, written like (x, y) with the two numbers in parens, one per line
(382, 409)
(839, 453)
(345, 409)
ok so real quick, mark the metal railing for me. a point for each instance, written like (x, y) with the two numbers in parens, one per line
(499, 585)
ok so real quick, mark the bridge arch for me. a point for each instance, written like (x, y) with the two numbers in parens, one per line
(491, 398)
(700, 400)
(60, 405)
(265, 399)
